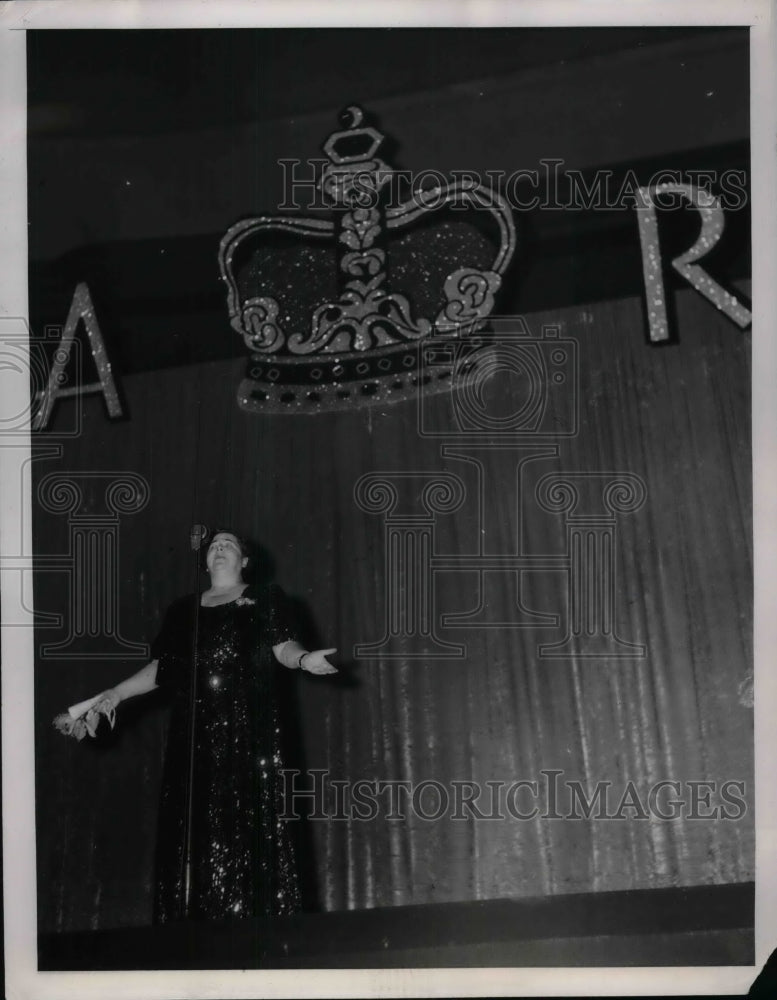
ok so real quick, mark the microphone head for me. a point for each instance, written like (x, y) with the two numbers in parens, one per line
(197, 536)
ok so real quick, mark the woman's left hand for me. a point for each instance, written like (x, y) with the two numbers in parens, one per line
(316, 662)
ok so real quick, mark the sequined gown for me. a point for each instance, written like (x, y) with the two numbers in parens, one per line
(242, 853)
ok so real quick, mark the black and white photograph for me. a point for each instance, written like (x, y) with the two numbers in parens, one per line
(379, 528)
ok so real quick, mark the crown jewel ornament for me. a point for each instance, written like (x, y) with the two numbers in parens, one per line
(333, 310)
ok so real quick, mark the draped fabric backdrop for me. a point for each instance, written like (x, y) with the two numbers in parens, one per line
(676, 416)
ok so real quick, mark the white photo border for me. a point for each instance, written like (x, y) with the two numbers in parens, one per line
(20, 919)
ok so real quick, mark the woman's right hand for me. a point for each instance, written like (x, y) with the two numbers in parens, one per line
(83, 719)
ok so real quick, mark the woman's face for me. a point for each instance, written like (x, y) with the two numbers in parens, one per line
(225, 555)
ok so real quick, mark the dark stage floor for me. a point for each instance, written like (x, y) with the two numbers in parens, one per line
(704, 925)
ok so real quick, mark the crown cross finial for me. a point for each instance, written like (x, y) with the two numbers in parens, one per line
(366, 312)
(354, 175)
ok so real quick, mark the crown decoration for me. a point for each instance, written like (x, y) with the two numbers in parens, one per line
(404, 274)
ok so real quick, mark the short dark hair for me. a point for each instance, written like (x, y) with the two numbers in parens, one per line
(246, 549)
(244, 543)
(259, 570)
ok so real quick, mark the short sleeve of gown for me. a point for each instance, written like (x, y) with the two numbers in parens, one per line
(169, 646)
(281, 626)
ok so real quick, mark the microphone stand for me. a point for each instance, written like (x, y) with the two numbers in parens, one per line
(198, 534)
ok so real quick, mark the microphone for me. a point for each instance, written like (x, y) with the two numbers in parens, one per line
(197, 535)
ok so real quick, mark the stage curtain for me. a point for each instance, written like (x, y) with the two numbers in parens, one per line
(677, 416)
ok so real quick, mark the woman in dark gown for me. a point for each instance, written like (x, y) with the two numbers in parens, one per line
(242, 854)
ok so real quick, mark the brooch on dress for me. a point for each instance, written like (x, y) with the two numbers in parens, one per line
(244, 600)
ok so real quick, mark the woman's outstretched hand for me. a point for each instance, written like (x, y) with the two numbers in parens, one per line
(316, 662)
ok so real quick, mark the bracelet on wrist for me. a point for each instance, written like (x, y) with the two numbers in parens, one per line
(301, 658)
